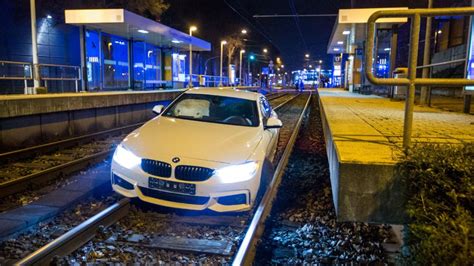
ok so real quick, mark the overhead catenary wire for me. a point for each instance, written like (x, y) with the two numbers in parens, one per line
(297, 22)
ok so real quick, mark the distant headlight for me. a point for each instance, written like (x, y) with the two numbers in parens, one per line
(126, 158)
(237, 173)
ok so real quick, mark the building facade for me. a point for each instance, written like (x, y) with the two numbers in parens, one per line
(97, 50)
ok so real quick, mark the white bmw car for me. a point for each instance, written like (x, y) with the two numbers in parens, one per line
(209, 149)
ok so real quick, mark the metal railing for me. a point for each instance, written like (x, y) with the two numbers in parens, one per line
(11, 70)
(208, 80)
(60, 73)
(411, 81)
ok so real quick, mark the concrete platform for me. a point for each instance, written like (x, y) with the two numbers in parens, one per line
(28, 120)
(364, 142)
(22, 105)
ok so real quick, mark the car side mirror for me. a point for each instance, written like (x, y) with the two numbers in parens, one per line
(273, 122)
(157, 109)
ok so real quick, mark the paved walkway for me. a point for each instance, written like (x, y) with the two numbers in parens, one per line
(370, 128)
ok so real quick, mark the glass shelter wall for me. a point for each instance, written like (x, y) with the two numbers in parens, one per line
(147, 72)
(115, 63)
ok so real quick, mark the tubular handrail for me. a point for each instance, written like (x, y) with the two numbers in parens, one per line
(415, 14)
(456, 61)
(77, 75)
(25, 78)
(411, 81)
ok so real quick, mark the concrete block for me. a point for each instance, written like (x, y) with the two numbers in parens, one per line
(140, 112)
(125, 115)
(370, 193)
(10, 227)
(60, 198)
(54, 126)
(83, 121)
(30, 214)
(106, 118)
(20, 132)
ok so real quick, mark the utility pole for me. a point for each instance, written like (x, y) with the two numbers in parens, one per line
(425, 90)
(36, 77)
(190, 83)
(240, 67)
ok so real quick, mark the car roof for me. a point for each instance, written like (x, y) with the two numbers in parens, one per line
(228, 92)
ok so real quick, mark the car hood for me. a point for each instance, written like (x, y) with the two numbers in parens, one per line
(164, 138)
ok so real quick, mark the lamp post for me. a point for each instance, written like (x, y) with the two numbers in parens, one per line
(222, 54)
(240, 66)
(191, 29)
(35, 70)
(320, 72)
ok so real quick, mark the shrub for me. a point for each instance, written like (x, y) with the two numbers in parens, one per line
(439, 184)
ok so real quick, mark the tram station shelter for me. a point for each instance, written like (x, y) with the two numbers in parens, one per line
(348, 40)
(121, 50)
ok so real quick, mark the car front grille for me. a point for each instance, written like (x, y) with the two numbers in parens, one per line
(192, 173)
(156, 168)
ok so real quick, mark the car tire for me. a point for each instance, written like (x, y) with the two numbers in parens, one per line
(267, 174)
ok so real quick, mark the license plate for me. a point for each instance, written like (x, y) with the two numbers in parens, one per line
(171, 186)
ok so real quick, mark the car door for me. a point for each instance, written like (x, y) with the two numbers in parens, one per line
(270, 134)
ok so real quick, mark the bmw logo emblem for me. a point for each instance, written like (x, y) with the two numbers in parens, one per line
(175, 160)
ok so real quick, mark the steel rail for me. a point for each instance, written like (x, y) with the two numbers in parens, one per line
(246, 251)
(277, 96)
(22, 183)
(61, 144)
(285, 102)
(77, 236)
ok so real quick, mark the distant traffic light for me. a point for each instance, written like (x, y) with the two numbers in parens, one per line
(252, 57)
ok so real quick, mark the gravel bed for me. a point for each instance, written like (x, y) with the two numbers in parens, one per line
(34, 238)
(302, 228)
(116, 243)
(37, 191)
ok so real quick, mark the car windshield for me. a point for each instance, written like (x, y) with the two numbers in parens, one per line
(215, 109)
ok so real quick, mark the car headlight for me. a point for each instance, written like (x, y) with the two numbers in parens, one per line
(126, 158)
(237, 173)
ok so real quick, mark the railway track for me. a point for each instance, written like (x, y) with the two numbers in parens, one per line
(179, 232)
(31, 167)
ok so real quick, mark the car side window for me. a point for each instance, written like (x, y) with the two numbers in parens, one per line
(266, 108)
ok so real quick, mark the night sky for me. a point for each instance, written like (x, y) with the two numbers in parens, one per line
(285, 37)
(217, 19)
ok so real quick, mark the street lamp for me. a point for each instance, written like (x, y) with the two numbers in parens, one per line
(34, 47)
(191, 29)
(306, 55)
(265, 50)
(244, 31)
(222, 55)
(240, 66)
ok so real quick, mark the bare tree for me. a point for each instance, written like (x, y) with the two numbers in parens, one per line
(152, 9)
(149, 8)
(233, 43)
